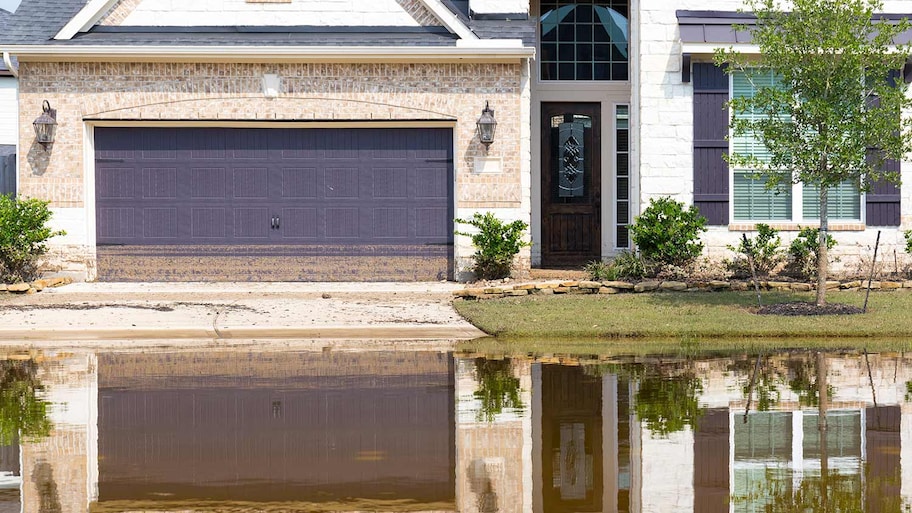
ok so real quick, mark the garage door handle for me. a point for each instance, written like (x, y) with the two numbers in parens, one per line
(278, 222)
(273, 225)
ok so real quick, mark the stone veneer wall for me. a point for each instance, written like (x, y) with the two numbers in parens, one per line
(145, 93)
(666, 133)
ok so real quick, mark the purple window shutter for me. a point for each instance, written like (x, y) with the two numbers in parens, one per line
(710, 128)
(882, 201)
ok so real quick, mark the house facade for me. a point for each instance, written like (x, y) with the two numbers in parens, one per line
(318, 139)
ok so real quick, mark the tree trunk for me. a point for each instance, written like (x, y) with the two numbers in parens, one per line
(822, 258)
(822, 407)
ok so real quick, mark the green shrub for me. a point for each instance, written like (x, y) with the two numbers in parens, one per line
(23, 236)
(765, 249)
(629, 265)
(626, 265)
(496, 244)
(667, 233)
(600, 270)
(803, 252)
(908, 234)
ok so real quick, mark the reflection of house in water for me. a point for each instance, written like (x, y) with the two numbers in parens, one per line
(312, 431)
(399, 431)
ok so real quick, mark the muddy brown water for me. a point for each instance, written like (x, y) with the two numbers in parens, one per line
(246, 431)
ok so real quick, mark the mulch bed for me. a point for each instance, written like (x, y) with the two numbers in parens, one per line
(803, 308)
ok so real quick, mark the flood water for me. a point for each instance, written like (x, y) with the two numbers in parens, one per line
(238, 431)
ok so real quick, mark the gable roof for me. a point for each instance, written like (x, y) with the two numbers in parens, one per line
(37, 21)
(56, 28)
(4, 18)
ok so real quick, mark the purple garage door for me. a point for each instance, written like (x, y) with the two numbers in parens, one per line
(239, 204)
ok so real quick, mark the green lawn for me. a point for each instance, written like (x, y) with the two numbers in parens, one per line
(685, 316)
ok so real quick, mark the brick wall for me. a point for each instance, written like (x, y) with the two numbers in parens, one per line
(145, 93)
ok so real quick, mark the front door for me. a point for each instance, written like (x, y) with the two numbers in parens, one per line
(571, 185)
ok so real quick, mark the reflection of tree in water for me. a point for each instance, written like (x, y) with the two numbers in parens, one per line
(497, 390)
(43, 477)
(22, 412)
(803, 381)
(667, 396)
(668, 403)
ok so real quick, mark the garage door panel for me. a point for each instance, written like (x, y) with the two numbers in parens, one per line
(341, 183)
(208, 223)
(350, 204)
(299, 223)
(433, 183)
(299, 183)
(159, 144)
(390, 183)
(250, 183)
(299, 144)
(248, 144)
(116, 183)
(208, 183)
(252, 223)
(116, 223)
(432, 223)
(161, 224)
(208, 144)
(159, 183)
(342, 223)
(390, 223)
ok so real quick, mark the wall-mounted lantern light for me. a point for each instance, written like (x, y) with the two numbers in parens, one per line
(46, 125)
(486, 126)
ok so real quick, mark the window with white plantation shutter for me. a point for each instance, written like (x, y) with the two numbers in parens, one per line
(751, 199)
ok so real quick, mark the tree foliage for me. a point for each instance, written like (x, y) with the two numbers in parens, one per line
(24, 233)
(23, 414)
(836, 97)
(496, 244)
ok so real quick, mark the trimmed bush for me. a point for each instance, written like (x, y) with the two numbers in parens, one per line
(23, 236)
(803, 252)
(668, 234)
(765, 249)
(496, 244)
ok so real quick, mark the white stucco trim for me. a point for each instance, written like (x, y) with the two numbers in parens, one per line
(449, 20)
(85, 18)
(483, 50)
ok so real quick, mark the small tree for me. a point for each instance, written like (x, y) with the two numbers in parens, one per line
(24, 233)
(496, 244)
(834, 100)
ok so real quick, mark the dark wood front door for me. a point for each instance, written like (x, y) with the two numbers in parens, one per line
(571, 185)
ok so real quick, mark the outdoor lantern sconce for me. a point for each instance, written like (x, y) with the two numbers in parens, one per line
(46, 125)
(486, 126)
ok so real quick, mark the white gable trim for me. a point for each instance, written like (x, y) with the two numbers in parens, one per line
(449, 20)
(89, 15)
(85, 18)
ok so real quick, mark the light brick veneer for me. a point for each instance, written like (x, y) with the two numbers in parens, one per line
(118, 12)
(146, 93)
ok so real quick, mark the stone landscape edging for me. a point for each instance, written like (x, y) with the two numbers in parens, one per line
(620, 287)
(34, 286)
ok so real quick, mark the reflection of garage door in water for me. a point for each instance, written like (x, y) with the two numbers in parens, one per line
(232, 204)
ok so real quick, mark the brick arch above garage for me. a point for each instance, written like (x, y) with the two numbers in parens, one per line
(251, 108)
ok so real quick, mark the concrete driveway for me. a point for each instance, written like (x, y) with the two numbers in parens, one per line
(87, 312)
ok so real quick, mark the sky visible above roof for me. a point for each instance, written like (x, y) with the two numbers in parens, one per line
(9, 5)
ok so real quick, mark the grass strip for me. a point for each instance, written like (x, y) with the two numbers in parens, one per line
(682, 316)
